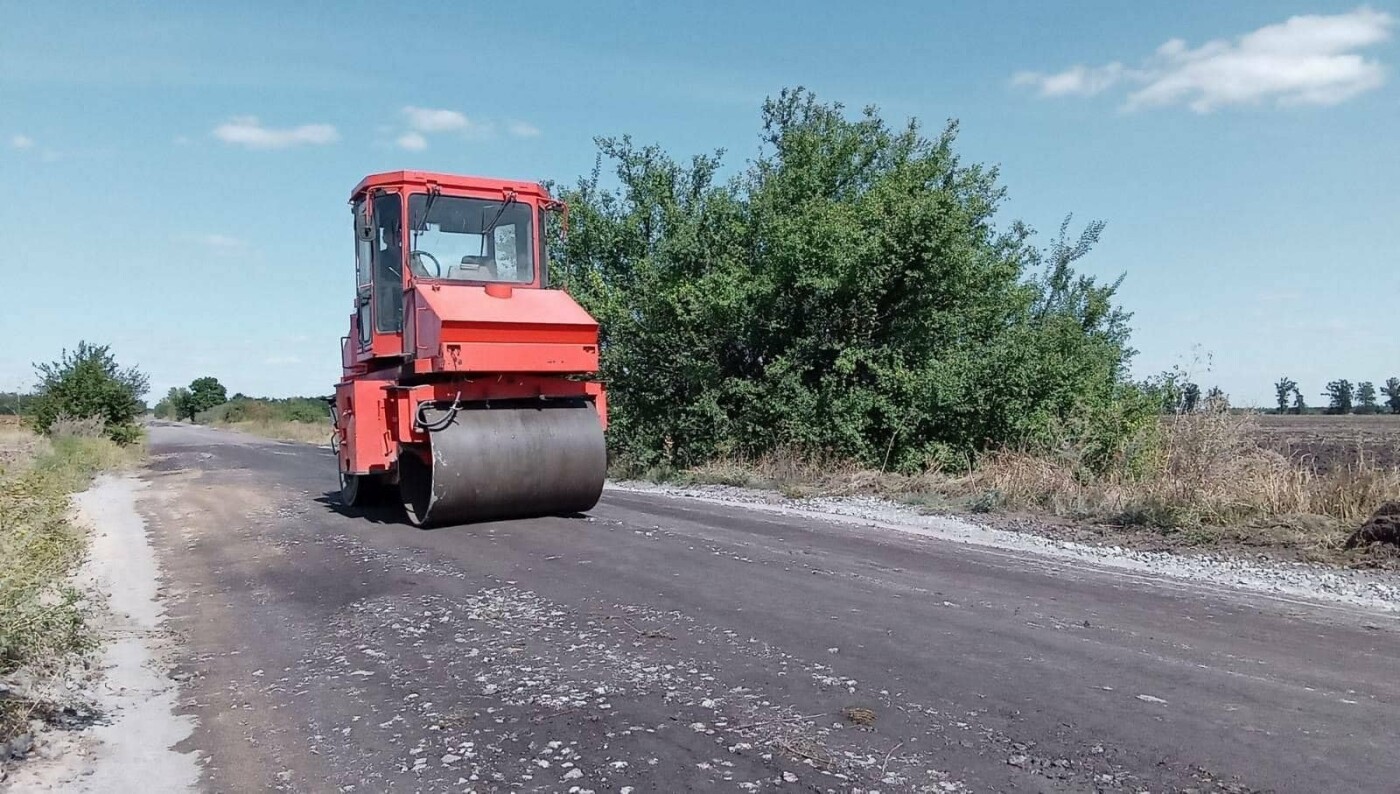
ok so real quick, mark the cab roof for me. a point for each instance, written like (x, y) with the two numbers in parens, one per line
(448, 182)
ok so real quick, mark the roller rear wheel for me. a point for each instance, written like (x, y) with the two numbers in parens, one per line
(360, 490)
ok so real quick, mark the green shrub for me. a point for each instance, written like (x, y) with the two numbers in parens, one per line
(87, 383)
(849, 296)
(310, 410)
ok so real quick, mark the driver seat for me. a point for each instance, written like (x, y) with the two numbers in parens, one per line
(475, 268)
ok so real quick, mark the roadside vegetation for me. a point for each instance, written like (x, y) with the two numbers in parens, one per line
(205, 401)
(81, 420)
(849, 312)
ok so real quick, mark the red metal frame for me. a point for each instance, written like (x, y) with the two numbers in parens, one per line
(460, 341)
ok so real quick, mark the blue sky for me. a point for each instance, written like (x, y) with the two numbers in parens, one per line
(176, 174)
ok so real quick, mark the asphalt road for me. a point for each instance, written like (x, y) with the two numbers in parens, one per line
(670, 644)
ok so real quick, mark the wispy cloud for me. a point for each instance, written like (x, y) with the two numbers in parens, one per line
(523, 129)
(223, 242)
(425, 123)
(248, 132)
(435, 119)
(1305, 60)
(412, 141)
(21, 141)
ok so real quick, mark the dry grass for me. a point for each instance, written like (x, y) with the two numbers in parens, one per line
(1208, 470)
(304, 432)
(1208, 475)
(41, 617)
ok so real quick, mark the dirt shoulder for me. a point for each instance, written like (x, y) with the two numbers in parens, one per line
(126, 744)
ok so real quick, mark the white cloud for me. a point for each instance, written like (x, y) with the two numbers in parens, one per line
(223, 242)
(423, 123)
(1074, 81)
(435, 120)
(1305, 60)
(19, 141)
(412, 141)
(523, 129)
(247, 131)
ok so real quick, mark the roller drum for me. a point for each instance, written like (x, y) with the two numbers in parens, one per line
(506, 462)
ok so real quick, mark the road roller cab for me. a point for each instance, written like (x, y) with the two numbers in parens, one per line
(468, 386)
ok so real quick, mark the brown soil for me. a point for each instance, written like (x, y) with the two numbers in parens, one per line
(1329, 442)
(1383, 527)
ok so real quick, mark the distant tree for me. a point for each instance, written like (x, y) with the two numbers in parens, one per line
(1282, 390)
(172, 405)
(1366, 398)
(183, 403)
(13, 403)
(1190, 397)
(1391, 390)
(205, 393)
(1217, 400)
(1300, 406)
(87, 382)
(1339, 395)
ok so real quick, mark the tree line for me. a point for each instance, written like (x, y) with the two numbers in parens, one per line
(1342, 397)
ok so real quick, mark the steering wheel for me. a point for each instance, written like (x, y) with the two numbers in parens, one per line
(437, 268)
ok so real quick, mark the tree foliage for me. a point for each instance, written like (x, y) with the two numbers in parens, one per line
(1339, 396)
(1366, 398)
(174, 405)
(1284, 389)
(847, 294)
(1391, 390)
(205, 393)
(269, 409)
(187, 403)
(1190, 397)
(13, 403)
(88, 382)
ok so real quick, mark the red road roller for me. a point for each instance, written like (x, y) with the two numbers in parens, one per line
(469, 388)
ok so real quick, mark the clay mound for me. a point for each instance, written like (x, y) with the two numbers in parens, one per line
(1383, 527)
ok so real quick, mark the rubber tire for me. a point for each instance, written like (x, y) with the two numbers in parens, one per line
(360, 490)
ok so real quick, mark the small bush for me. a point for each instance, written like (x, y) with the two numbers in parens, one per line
(87, 383)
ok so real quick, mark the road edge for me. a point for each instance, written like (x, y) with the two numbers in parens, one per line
(131, 748)
(1377, 593)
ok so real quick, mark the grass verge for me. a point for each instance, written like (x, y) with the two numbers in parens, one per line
(1206, 481)
(284, 430)
(41, 614)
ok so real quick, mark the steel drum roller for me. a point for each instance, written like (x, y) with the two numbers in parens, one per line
(492, 463)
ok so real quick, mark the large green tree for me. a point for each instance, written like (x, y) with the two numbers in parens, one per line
(849, 293)
(205, 393)
(88, 382)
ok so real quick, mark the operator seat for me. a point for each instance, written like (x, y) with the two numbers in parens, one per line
(475, 268)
